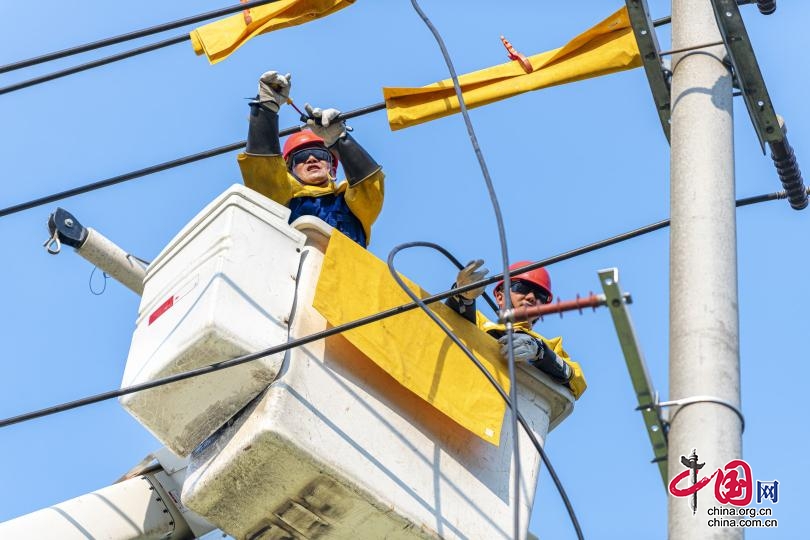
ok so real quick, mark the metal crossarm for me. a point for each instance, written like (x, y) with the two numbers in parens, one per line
(645, 393)
(747, 72)
(760, 108)
(651, 58)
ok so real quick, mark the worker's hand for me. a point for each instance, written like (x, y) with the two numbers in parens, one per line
(471, 274)
(324, 124)
(525, 347)
(274, 89)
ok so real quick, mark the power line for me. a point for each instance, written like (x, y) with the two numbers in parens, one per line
(93, 64)
(163, 166)
(132, 35)
(360, 322)
(127, 54)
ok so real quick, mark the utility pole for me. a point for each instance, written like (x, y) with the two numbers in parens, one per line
(704, 340)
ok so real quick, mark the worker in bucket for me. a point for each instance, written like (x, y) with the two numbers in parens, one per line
(527, 289)
(302, 176)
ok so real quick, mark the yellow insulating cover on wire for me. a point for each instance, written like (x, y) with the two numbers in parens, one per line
(409, 346)
(606, 48)
(219, 39)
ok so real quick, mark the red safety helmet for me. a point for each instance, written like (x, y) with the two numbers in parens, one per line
(538, 276)
(303, 139)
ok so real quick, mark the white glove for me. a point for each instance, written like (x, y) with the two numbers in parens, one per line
(525, 347)
(274, 89)
(324, 125)
(471, 274)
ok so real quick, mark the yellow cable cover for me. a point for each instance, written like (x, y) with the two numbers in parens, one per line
(409, 346)
(219, 39)
(606, 48)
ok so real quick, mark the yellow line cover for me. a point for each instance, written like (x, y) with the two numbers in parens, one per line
(409, 346)
(605, 48)
(219, 39)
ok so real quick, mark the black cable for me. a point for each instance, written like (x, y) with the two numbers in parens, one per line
(359, 322)
(512, 405)
(163, 166)
(502, 240)
(453, 260)
(93, 64)
(132, 35)
(778, 195)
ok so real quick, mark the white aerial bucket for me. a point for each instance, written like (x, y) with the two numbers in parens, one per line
(222, 288)
(337, 448)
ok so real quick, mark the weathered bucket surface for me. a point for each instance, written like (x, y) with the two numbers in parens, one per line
(222, 288)
(336, 448)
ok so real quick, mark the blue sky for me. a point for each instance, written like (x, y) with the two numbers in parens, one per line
(571, 165)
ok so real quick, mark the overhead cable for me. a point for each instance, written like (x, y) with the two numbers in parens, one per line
(503, 248)
(89, 65)
(133, 35)
(146, 48)
(127, 54)
(359, 322)
(163, 166)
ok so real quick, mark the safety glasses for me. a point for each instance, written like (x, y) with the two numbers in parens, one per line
(523, 287)
(300, 156)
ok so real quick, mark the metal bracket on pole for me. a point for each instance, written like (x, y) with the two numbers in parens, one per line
(647, 42)
(645, 393)
(766, 123)
(680, 403)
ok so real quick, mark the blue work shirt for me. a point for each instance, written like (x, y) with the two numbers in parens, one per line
(333, 210)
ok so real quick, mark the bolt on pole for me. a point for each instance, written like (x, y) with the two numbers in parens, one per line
(704, 340)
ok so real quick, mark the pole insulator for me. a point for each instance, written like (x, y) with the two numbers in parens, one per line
(788, 170)
(766, 7)
(560, 306)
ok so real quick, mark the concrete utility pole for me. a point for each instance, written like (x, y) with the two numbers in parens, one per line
(704, 341)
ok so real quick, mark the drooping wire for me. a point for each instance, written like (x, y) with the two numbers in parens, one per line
(164, 166)
(356, 323)
(509, 402)
(132, 35)
(504, 253)
(449, 256)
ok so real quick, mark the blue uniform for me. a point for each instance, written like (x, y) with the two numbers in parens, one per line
(333, 210)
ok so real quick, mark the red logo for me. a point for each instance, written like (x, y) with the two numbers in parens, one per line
(733, 482)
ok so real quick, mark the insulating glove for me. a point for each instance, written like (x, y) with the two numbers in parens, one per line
(274, 89)
(323, 124)
(525, 347)
(471, 274)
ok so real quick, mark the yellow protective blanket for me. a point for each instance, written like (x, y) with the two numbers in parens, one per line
(606, 48)
(409, 346)
(219, 39)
